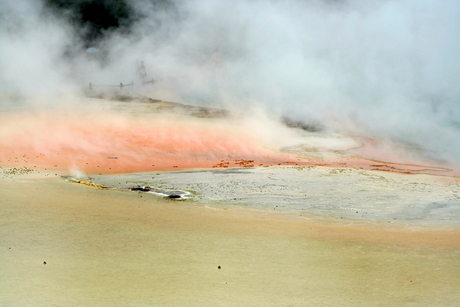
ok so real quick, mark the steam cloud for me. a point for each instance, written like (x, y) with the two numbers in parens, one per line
(386, 69)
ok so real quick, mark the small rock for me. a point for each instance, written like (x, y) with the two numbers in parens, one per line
(173, 196)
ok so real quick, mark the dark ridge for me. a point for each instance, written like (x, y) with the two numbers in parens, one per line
(310, 127)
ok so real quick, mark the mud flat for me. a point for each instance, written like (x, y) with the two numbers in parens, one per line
(415, 201)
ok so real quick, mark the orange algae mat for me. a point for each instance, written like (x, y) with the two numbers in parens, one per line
(116, 144)
(113, 143)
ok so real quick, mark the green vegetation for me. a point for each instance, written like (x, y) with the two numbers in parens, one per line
(93, 19)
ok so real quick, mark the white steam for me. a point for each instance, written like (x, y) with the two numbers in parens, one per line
(33, 42)
(387, 69)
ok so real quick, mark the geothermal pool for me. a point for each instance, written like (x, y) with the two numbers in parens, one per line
(222, 160)
(293, 215)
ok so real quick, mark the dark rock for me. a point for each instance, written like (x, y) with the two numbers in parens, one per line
(141, 189)
(173, 196)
